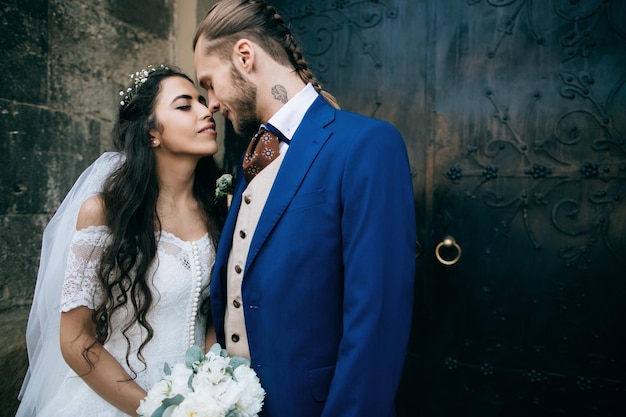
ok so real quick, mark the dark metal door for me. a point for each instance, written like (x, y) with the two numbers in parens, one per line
(514, 114)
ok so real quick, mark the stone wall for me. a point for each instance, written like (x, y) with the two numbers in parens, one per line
(63, 63)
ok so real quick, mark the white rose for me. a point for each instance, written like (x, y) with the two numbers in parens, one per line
(155, 397)
(180, 379)
(198, 405)
(253, 394)
(208, 377)
(227, 393)
(213, 370)
(217, 360)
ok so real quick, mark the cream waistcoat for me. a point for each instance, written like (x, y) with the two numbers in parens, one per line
(252, 203)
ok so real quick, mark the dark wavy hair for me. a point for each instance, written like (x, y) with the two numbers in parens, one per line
(230, 20)
(130, 198)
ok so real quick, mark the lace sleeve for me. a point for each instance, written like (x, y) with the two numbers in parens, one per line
(80, 286)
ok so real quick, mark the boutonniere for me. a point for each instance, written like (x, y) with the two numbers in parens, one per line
(223, 186)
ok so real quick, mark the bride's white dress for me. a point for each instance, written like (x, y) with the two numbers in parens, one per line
(177, 276)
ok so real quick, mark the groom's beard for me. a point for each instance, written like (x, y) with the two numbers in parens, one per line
(247, 121)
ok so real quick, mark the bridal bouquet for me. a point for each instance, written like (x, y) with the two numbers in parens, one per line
(211, 385)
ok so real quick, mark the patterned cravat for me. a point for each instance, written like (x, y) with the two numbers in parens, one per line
(262, 150)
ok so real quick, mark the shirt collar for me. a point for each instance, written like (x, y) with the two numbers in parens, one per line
(288, 117)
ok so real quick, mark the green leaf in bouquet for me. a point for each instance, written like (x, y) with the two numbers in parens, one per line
(216, 349)
(236, 361)
(235, 412)
(167, 403)
(194, 354)
(166, 369)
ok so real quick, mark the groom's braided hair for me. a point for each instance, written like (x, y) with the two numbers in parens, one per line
(230, 20)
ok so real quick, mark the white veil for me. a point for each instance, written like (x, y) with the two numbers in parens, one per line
(46, 365)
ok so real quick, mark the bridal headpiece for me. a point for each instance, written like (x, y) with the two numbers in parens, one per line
(138, 78)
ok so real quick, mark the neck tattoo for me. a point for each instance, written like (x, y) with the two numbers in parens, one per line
(280, 93)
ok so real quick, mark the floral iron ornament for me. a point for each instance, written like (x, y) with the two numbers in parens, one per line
(139, 78)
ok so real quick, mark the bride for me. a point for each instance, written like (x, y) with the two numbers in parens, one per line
(123, 280)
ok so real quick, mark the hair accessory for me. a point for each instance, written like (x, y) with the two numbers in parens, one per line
(139, 78)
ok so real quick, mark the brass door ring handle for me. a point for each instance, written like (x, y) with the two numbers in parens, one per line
(448, 242)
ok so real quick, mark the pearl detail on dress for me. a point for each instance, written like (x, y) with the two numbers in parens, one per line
(196, 297)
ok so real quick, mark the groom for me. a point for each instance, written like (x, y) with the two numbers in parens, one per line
(315, 268)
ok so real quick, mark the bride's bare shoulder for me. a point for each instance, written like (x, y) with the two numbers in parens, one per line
(91, 213)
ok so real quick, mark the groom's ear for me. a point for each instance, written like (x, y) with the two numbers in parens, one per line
(244, 55)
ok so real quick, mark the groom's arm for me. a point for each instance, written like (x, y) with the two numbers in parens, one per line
(378, 228)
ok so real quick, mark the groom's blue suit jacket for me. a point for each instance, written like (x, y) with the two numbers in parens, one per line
(328, 284)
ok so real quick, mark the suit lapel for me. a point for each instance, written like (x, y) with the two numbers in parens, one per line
(308, 140)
